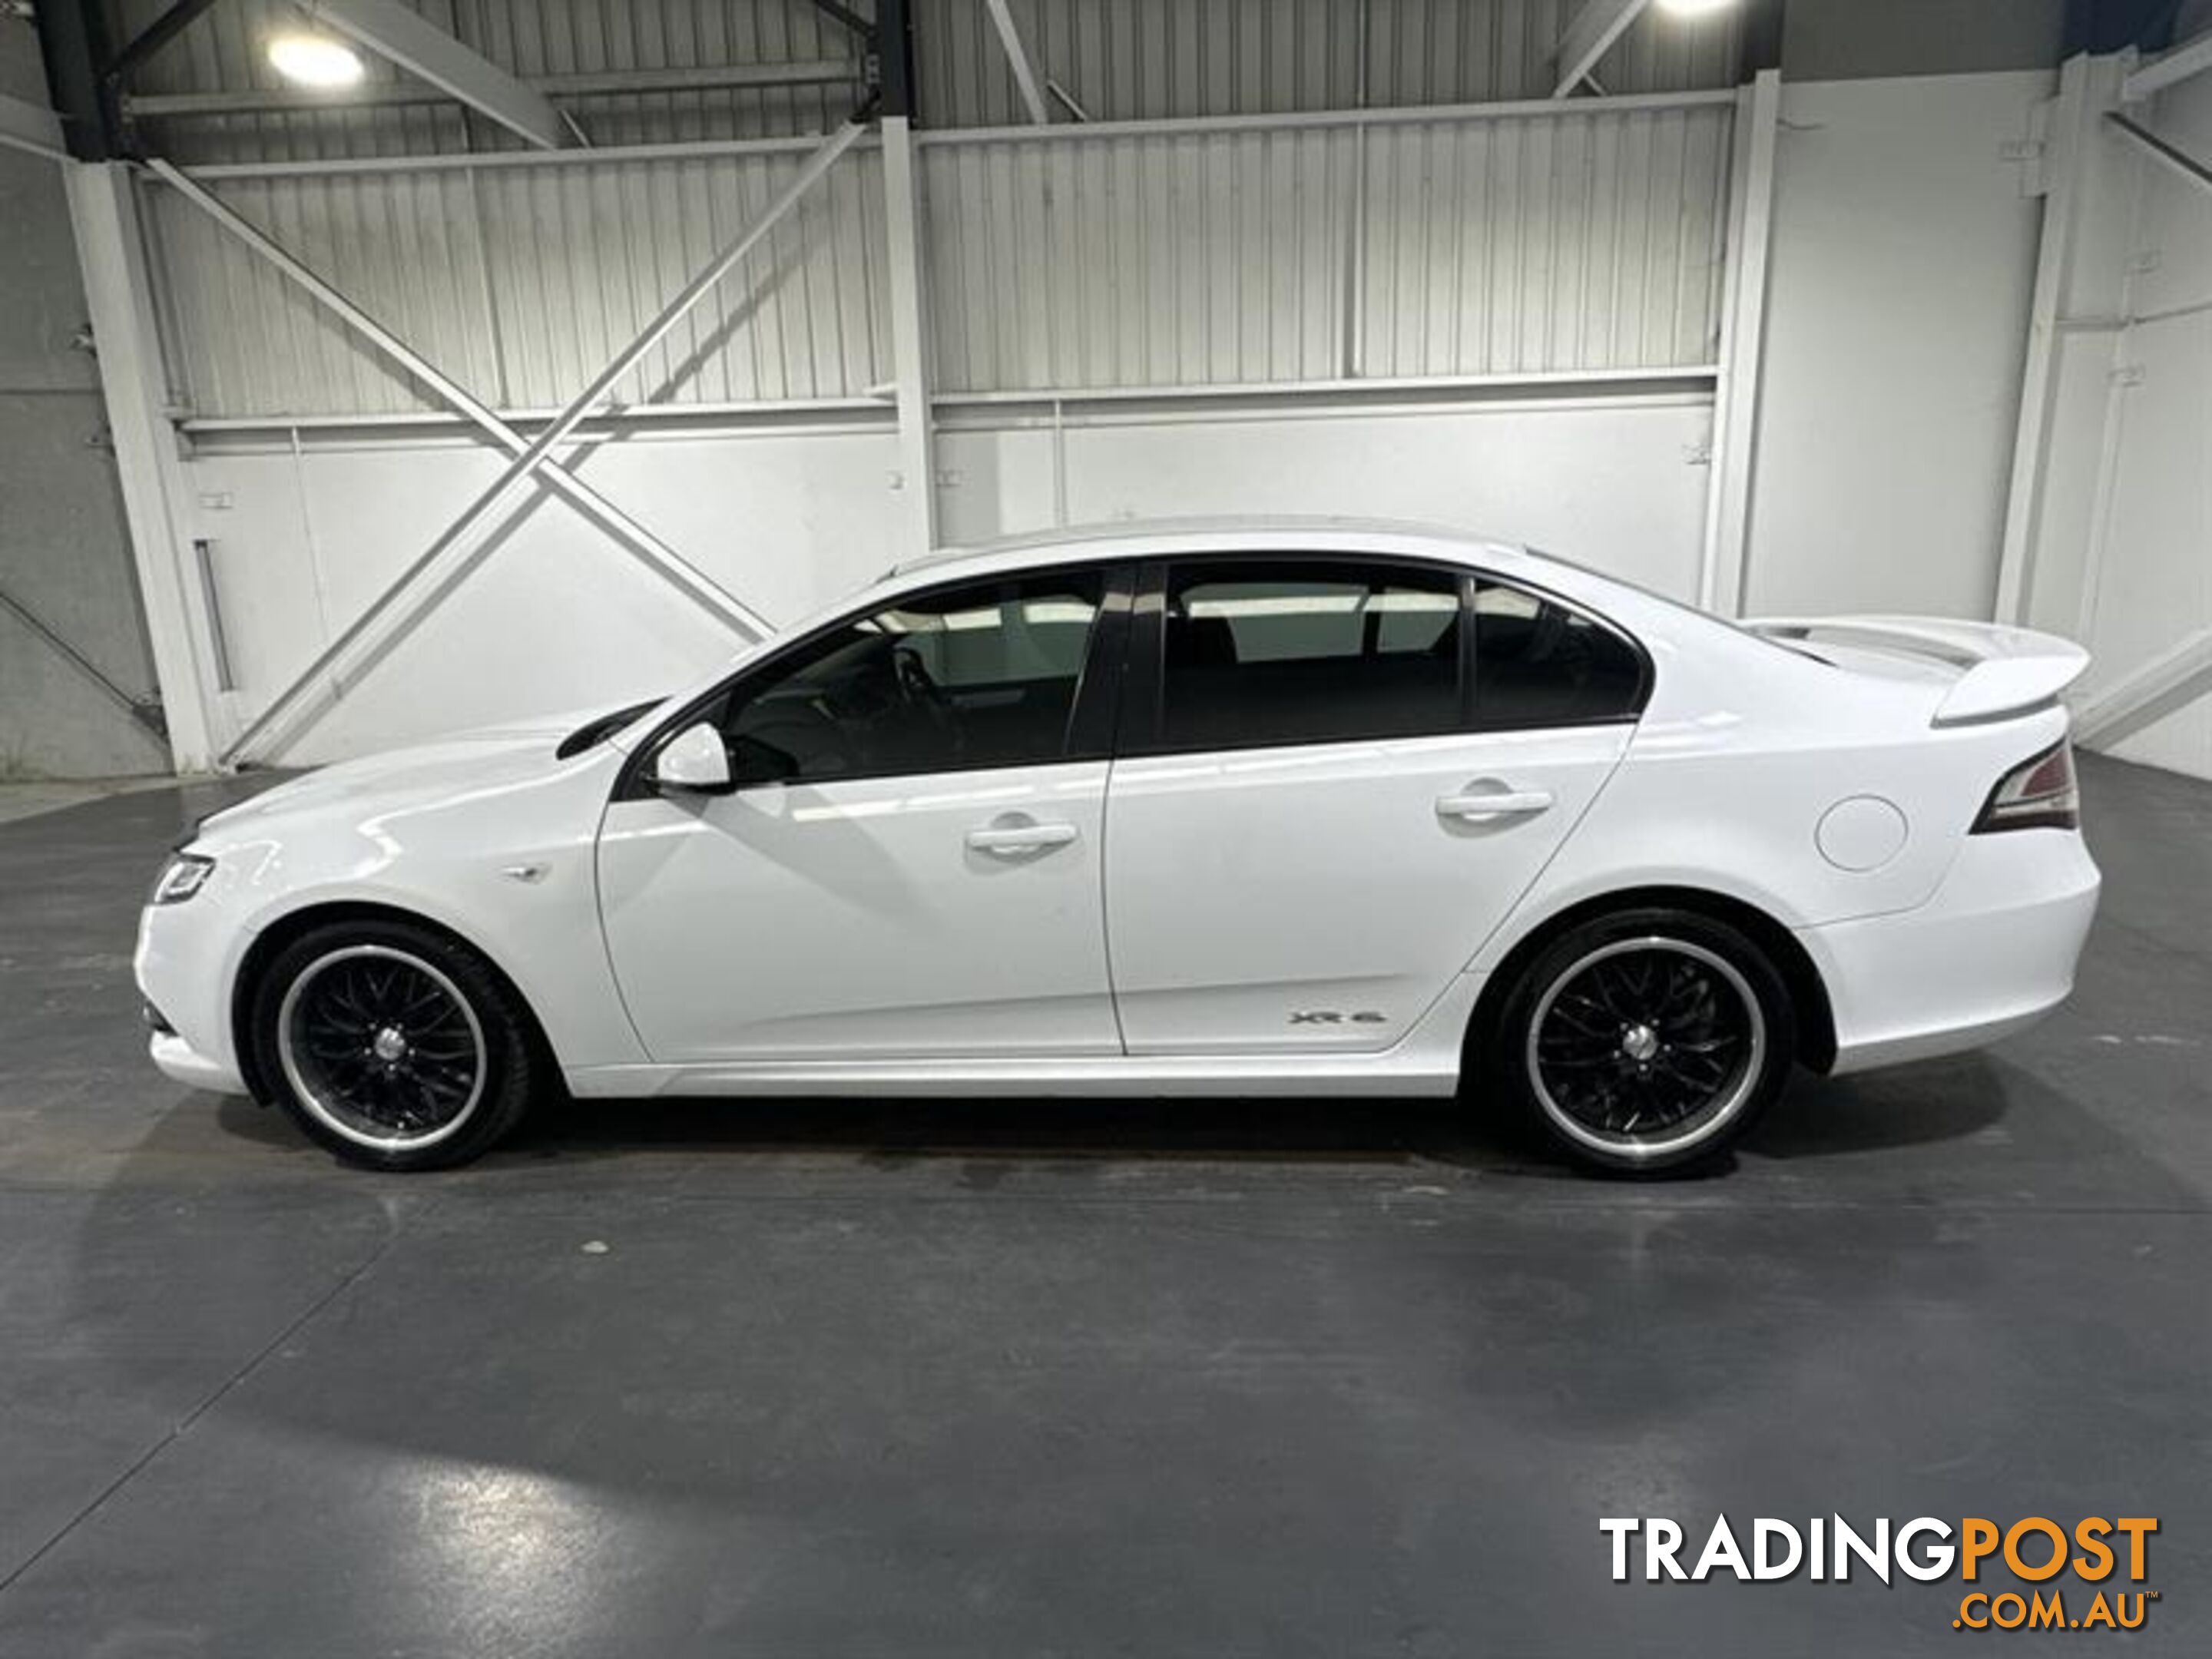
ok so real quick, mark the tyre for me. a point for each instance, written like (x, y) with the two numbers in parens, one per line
(1646, 1041)
(393, 1045)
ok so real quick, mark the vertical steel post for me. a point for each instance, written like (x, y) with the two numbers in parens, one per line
(916, 532)
(1722, 572)
(103, 210)
(2065, 139)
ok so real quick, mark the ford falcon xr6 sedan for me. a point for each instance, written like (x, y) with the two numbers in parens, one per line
(1257, 808)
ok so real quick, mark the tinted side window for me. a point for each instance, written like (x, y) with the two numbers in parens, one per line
(1265, 651)
(980, 676)
(1537, 663)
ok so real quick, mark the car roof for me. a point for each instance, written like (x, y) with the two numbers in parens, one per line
(1161, 538)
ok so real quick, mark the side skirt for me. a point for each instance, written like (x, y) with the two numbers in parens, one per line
(1426, 1063)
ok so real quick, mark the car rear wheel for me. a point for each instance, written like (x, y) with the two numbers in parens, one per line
(393, 1045)
(1649, 1040)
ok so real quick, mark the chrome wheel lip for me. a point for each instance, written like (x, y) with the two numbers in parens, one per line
(1706, 1122)
(320, 1108)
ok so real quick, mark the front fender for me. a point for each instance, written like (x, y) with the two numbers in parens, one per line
(508, 867)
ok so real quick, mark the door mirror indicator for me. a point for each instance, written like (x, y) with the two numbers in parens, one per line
(694, 759)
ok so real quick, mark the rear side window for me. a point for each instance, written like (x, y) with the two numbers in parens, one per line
(1276, 652)
(1537, 663)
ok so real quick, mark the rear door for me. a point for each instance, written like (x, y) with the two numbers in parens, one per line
(1336, 777)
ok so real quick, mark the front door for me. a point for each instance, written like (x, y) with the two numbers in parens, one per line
(910, 867)
(1348, 774)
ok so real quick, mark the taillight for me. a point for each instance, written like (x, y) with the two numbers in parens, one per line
(2036, 794)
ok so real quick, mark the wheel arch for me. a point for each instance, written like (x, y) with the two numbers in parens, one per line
(1808, 992)
(292, 925)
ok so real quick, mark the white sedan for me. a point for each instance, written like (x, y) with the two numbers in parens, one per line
(1259, 808)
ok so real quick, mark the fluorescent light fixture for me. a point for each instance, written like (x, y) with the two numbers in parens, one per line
(314, 60)
(1693, 8)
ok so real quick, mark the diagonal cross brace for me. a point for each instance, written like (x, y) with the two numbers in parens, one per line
(1017, 58)
(533, 459)
(655, 552)
(146, 711)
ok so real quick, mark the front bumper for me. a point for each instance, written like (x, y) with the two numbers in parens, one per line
(1991, 953)
(179, 1062)
(186, 963)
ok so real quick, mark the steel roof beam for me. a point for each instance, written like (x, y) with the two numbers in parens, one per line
(31, 127)
(422, 49)
(246, 100)
(846, 17)
(2193, 56)
(1025, 76)
(2169, 155)
(1589, 35)
(153, 37)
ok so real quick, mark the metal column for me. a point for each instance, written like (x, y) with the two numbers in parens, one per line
(104, 212)
(916, 532)
(1722, 573)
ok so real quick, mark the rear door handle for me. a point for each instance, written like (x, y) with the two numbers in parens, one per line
(1493, 804)
(1004, 839)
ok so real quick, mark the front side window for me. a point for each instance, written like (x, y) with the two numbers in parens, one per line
(1537, 663)
(1286, 651)
(979, 675)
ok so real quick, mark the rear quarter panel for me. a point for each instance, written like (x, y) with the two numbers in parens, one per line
(1742, 749)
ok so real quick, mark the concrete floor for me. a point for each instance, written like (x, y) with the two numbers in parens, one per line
(29, 797)
(1039, 1377)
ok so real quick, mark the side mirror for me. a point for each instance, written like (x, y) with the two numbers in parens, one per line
(696, 759)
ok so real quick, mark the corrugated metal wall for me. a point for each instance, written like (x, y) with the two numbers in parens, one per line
(1291, 248)
(522, 281)
(1588, 239)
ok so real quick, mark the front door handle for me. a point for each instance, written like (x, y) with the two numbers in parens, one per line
(1477, 802)
(1010, 837)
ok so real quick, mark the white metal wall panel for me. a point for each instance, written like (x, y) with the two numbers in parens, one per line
(583, 257)
(1586, 241)
(1589, 240)
(244, 341)
(1181, 259)
(557, 617)
(523, 282)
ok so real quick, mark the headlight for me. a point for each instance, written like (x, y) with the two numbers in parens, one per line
(184, 875)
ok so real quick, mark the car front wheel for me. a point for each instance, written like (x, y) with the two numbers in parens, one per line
(1649, 1040)
(393, 1045)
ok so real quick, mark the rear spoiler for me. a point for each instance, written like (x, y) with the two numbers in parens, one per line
(2008, 670)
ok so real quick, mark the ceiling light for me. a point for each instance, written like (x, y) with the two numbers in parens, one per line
(1693, 8)
(314, 60)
